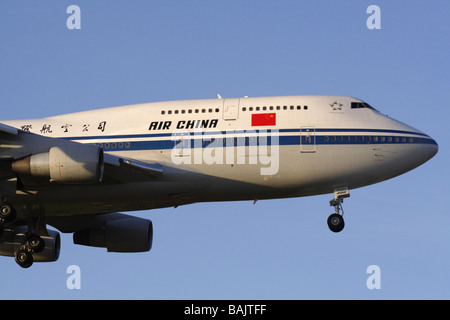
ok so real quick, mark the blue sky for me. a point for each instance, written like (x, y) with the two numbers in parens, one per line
(142, 51)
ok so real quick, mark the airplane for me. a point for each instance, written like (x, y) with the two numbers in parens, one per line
(77, 172)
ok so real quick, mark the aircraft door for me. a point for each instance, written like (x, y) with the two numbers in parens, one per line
(231, 109)
(182, 144)
(308, 139)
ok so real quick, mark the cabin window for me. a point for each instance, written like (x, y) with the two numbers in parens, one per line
(361, 105)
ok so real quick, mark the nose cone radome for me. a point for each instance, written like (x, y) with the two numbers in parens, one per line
(430, 149)
(423, 149)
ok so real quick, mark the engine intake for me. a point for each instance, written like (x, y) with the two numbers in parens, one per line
(72, 164)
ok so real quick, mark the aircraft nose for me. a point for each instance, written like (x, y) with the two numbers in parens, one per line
(432, 148)
(426, 148)
(413, 155)
(423, 146)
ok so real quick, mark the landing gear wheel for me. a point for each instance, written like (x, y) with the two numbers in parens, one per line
(7, 212)
(24, 258)
(336, 222)
(35, 243)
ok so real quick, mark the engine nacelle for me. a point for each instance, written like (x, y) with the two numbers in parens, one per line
(128, 234)
(72, 164)
(13, 239)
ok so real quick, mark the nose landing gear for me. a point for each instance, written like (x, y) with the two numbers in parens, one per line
(336, 220)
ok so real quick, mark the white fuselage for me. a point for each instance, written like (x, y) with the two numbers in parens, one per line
(231, 149)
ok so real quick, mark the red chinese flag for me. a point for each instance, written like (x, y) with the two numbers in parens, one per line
(264, 119)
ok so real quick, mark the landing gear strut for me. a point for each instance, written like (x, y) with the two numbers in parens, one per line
(336, 220)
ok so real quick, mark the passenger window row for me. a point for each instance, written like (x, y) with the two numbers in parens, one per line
(217, 110)
(190, 111)
(368, 139)
(271, 108)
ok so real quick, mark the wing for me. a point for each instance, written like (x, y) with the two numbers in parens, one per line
(41, 159)
(8, 129)
(29, 162)
(8, 181)
(150, 169)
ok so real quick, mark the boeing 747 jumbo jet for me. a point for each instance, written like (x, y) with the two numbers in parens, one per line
(75, 172)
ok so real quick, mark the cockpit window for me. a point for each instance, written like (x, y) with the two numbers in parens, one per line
(359, 105)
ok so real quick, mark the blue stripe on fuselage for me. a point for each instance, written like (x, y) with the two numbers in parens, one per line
(241, 131)
(205, 139)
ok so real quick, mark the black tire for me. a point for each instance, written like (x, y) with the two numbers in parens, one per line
(35, 243)
(24, 258)
(336, 222)
(7, 212)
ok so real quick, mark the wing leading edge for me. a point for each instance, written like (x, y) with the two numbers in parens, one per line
(150, 169)
(8, 129)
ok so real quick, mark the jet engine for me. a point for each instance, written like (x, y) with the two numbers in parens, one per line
(71, 164)
(127, 234)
